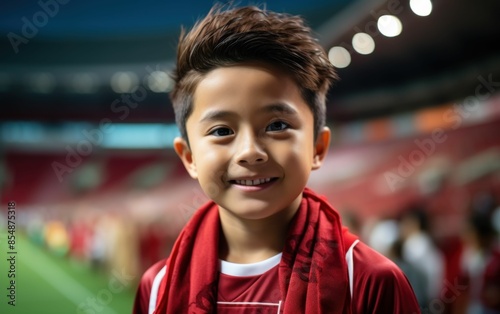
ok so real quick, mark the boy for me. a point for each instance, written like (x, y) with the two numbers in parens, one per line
(249, 99)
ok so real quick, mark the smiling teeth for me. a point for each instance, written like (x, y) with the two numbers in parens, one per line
(252, 182)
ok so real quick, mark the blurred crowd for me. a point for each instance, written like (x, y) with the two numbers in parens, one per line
(105, 242)
(457, 273)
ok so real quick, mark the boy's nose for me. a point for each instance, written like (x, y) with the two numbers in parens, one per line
(250, 151)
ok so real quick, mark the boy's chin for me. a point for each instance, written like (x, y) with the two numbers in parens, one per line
(246, 211)
(254, 210)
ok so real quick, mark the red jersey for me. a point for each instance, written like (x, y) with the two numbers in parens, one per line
(376, 284)
(249, 288)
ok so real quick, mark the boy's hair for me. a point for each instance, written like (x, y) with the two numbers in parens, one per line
(230, 37)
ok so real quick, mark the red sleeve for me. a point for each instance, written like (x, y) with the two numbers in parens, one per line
(142, 296)
(379, 286)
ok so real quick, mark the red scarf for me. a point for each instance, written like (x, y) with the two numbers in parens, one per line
(312, 271)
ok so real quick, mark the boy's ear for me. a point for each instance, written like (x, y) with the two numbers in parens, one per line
(321, 147)
(184, 152)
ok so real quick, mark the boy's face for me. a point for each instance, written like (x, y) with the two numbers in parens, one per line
(251, 140)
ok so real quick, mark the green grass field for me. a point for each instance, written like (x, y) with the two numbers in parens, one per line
(48, 284)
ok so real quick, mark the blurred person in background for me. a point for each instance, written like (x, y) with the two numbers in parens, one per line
(382, 233)
(490, 290)
(98, 248)
(80, 238)
(56, 237)
(152, 243)
(481, 260)
(420, 251)
(351, 220)
(123, 243)
(417, 278)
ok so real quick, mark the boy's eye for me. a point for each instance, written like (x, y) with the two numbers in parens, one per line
(277, 126)
(221, 132)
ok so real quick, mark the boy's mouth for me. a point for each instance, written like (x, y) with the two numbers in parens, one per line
(253, 182)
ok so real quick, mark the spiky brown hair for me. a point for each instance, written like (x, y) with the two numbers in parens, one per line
(228, 37)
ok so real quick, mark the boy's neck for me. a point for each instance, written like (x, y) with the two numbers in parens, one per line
(246, 241)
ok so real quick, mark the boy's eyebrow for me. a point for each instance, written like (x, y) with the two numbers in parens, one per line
(280, 108)
(216, 115)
